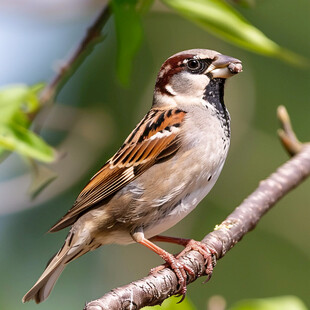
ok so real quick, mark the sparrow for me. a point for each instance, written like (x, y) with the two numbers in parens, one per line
(165, 167)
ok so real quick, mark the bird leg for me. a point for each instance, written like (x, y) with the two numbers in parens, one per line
(175, 240)
(178, 267)
(190, 244)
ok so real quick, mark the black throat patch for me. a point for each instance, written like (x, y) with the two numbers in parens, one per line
(214, 94)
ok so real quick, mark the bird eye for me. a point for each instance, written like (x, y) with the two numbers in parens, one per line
(195, 65)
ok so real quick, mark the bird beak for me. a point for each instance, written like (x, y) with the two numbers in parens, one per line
(224, 66)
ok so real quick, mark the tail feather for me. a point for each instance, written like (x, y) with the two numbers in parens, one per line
(41, 290)
(72, 248)
(43, 287)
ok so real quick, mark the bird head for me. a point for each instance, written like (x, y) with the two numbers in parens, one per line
(185, 75)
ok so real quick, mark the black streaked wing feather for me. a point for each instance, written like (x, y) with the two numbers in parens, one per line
(154, 138)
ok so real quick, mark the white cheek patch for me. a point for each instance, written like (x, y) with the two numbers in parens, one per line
(188, 84)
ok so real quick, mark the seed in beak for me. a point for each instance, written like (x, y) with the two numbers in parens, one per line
(235, 67)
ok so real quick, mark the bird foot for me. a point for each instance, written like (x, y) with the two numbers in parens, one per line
(179, 269)
(175, 263)
(208, 254)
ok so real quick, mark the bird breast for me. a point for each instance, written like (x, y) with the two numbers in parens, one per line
(169, 190)
(192, 173)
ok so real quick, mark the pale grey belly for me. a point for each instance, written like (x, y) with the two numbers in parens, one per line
(167, 216)
(183, 207)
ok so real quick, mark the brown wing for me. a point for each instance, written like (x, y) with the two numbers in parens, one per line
(154, 138)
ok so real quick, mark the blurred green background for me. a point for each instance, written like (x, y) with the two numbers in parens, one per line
(94, 114)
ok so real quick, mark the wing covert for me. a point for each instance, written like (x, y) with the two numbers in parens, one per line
(154, 138)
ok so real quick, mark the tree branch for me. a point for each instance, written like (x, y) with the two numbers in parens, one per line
(91, 37)
(154, 289)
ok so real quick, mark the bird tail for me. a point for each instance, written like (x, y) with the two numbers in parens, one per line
(43, 287)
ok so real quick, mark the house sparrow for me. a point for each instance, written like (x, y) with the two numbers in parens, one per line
(166, 166)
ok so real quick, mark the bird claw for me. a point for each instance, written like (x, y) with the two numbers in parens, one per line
(182, 298)
(208, 254)
(181, 268)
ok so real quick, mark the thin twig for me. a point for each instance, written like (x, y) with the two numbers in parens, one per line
(287, 134)
(154, 289)
(92, 36)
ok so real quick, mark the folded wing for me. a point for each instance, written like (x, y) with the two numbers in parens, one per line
(155, 137)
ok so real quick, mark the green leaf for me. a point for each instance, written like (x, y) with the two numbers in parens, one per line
(18, 104)
(222, 20)
(172, 304)
(17, 138)
(275, 303)
(17, 101)
(32, 104)
(129, 35)
(10, 101)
